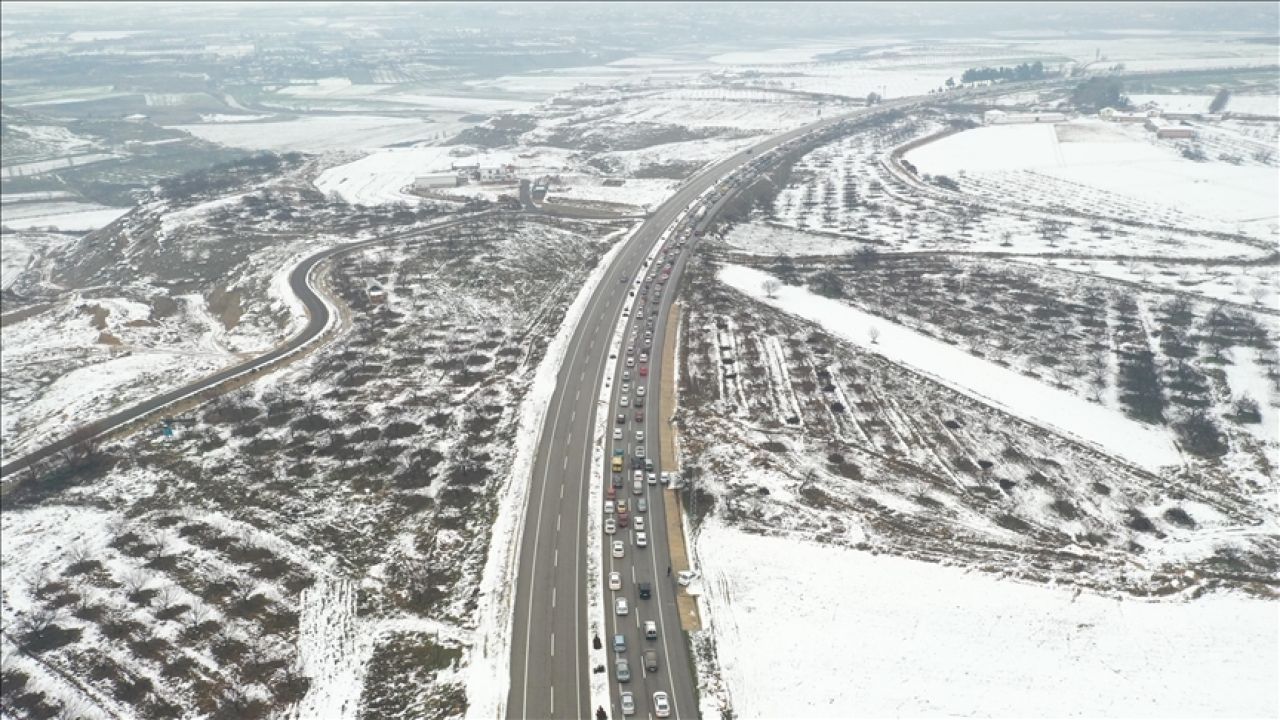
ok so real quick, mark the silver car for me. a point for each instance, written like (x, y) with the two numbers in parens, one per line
(624, 670)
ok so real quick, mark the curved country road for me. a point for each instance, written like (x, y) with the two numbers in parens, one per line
(318, 317)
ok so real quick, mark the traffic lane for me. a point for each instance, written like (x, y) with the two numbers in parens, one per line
(600, 310)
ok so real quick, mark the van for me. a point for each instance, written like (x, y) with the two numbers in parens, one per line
(651, 629)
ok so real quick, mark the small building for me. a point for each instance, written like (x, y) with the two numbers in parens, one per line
(1163, 129)
(1113, 115)
(496, 173)
(1000, 117)
(435, 180)
(377, 295)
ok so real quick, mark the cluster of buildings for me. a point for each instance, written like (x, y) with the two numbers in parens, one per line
(461, 174)
(1162, 124)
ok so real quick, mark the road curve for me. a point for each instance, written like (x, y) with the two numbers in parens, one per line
(318, 317)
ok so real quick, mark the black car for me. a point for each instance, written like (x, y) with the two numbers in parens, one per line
(645, 589)
(617, 480)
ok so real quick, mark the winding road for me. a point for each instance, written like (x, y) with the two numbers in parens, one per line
(318, 318)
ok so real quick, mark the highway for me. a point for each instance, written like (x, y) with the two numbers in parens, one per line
(300, 280)
(550, 672)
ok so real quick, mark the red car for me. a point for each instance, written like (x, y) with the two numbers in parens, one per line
(644, 371)
(623, 519)
(611, 492)
(639, 416)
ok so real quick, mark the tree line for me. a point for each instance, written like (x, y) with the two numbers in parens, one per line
(1024, 71)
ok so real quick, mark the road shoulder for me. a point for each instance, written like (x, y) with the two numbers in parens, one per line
(686, 604)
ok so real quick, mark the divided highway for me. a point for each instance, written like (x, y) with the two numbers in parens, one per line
(317, 320)
(550, 667)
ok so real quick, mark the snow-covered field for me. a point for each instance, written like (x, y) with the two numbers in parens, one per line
(645, 194)
(322, 133)
(385, 176)
(1033, 400)
(903, 638)
(63, 216)
(1123, 161)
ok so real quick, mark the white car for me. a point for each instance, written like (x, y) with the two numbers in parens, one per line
(639, 522)
(617, 434)
(631, 362)
(618, 548)
(642, 539)
(620, 606)
(653, 478)
(610, 525)
(626, 374)
(651, 629)
(628, 704)
(624, 401)
(640, 433)
(615, 581)
(640, 391)
(661, 705)
(608, 506)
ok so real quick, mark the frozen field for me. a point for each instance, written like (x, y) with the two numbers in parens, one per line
(905, 639)
(1123, 161)
(322, 133)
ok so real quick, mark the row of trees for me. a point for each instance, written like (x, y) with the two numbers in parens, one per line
(1024, 71)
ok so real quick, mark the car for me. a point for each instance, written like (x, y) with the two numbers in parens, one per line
(608, 507)
(639, 523)
(618, 548)
(628, 702)
(642, 505)
(642, 539)
(644, 357)
(652, 477)
(639, 401)
(631, 362)
(644, 371)
(640, 391)
(665, 477)
(623, 521)
(611, 492)
(631, 349)
(626, 387)
(622, 419)
(637, 488)
(615, 581)
(637, 462)
(619, 643)
(661, 705)
(626, 374)
(623, 670)
(624, 400)
(651, 629)
(648, 464)
(617, 434)
(639, 416)
(640, 451)
(651, 660)
(619, 452)
(684, 577)
(645, 590)
(617, 479)
(622, 505)
(620, 604)
(610, 526)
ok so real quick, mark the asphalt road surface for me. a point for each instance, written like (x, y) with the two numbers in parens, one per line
(317, 319)
(550, 672)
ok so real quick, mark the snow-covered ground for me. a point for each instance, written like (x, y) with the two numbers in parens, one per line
(1121, 160)
(638, 193)
(323, 133)
(1023, 397)
(903, 638)
(64, 216)
(384, 177)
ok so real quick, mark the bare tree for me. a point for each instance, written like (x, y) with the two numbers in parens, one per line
(40, 618)
(167, 597)
(874, 334)
(1258, 293)
(770, 287)
(135, 581)
(78, 554)
(197, 614)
